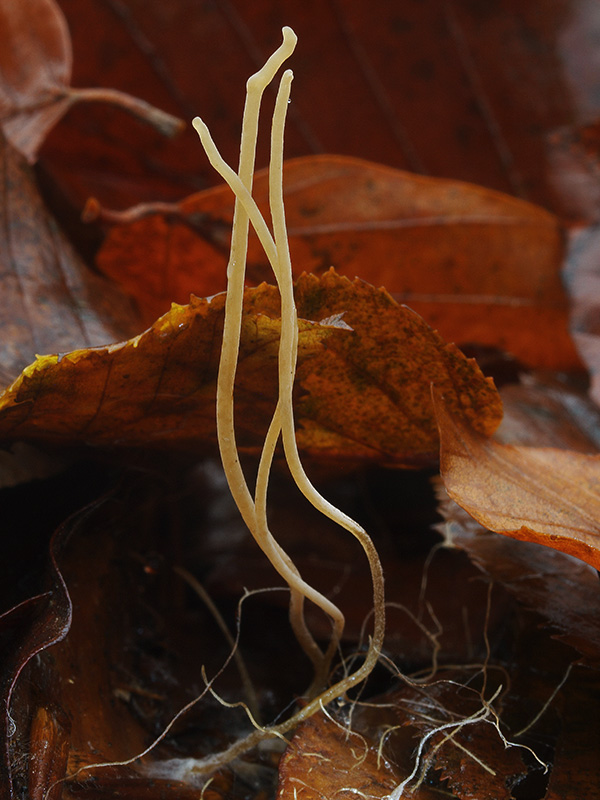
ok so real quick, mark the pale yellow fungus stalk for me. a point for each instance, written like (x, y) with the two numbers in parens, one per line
(254, 510)
(246, 208)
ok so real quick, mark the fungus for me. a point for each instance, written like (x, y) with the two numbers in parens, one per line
(253, 508)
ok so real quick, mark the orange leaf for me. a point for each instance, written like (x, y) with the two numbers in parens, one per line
(536, 494)
(361, 394)
(479, 266)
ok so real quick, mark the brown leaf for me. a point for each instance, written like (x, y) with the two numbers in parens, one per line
(374, 749)
(479, 266)
(362, 394)
(385, 367)
(474, 760)
(35, 69)
(537, 494)
(50, 299)
(329, 758)
(546, 412)
(459, 90)
(562, 590)
(89, 698)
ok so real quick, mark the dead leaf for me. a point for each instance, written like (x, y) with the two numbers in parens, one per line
(50, 300)
(459, 90)
(544, 411)
(333, 757)
(374, 748)
(583, 284)
(35, 70)
(35, 65)
(473, 760)
(562, 590)
(574, 164)
(362, 394)
(386, 367)
(85, 700)
(479, 266)
(537, 494)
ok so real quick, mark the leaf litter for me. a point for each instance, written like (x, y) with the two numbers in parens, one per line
(478, 265)
(566, 720)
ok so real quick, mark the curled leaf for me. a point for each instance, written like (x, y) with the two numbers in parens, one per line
(35, 73)
(560, 589)
(27, 631)
(35, 68)
(536, 494)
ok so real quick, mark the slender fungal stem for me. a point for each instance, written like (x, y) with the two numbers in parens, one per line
(254, 510)
(245, 210)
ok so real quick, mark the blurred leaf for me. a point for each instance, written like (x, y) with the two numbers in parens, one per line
(35, 69)
(537, 494)
(562, 590)
(50, 299)
(544, 411)
(582, 278)
(576, 771)
(363, 394)
(478, 265)
(465, 90)
(27, 631)
(89, 699)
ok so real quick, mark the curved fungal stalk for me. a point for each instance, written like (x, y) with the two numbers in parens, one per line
(253, 510)
(246, 209)
(288, 352)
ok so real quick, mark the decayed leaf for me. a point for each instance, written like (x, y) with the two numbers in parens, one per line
(537, 494)
(35, 69)
(477, 265)
(375, 748)
(35, 72)
(362, 394)
(330, 758)
(473, 759)
(561, 589)
(50, 301)
(385, 367)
